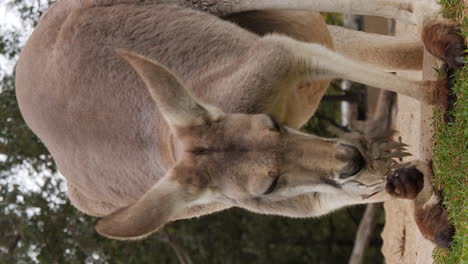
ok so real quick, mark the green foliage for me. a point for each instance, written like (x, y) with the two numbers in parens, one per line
(451, 152)
(37, 229)
(333, 18)
(270, 239)
(328, 113)
(9, 44)
(42, 226)
(451, 166)
(30, 11)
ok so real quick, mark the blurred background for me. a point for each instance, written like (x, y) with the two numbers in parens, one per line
(39, 225)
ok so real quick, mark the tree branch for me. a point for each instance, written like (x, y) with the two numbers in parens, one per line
(180, 252)
(364, 233)
(14, 244)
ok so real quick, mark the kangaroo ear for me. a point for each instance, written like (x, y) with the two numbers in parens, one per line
(154, 209)
(176, 104)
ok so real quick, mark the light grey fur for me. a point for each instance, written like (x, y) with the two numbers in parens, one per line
(106, 131)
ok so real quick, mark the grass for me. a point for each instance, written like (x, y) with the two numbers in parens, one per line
(451, 152)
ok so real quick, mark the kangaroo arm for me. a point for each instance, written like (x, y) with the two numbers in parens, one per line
(226, 7)
(390, 9)
(310, 205)
(403, 10)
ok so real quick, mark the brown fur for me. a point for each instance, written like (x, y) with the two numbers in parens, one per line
(415, 183)
(444, 40)
(433, 222)
(405, 183)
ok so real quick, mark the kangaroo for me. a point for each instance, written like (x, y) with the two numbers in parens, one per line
(161, 110)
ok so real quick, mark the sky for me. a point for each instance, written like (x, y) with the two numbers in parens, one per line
(7, 17)
(10, 20)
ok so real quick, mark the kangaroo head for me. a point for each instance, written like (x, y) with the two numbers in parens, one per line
(227, 158)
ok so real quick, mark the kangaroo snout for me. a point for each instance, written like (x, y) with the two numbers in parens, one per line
(354, 162)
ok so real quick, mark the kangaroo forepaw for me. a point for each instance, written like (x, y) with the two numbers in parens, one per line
(442, 38)
(405, 183)
(433, 222)
(415, 182)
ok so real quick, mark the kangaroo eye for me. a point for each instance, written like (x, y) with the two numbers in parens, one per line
(276, 126)
(272, 186)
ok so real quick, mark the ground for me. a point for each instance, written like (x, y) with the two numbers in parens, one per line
(403, 242)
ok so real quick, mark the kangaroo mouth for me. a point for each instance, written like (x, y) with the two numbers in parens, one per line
(360, 163)
(355, 165)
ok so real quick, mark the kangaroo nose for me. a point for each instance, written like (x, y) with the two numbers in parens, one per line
(355, 162)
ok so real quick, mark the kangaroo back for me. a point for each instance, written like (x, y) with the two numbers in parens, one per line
(94, 115)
